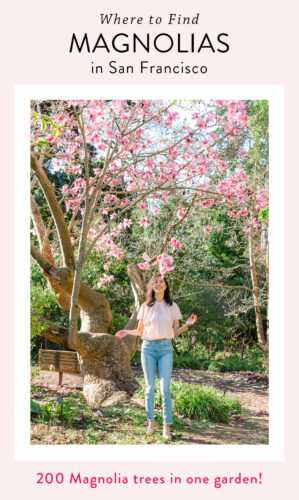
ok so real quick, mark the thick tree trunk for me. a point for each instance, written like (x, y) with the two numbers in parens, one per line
(262, 340)
(104, 359)
(106, 370)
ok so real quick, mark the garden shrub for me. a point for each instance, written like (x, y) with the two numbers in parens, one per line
(198, 401)
(231, 363)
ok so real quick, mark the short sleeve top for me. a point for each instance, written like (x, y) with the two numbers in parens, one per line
(158, 320)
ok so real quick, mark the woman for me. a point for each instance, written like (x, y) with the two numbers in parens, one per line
(158, 324)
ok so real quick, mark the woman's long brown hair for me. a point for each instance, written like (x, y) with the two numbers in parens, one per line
(150, 294)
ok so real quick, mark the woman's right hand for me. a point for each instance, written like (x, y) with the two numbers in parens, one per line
(121, 334)
(192, 319)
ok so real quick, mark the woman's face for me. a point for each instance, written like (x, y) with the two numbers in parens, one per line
(159, 285)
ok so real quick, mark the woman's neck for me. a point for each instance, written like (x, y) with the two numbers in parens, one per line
(159, 297)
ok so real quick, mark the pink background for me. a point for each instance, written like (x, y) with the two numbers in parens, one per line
(35, 38)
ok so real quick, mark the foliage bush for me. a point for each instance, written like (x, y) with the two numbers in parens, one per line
(231, 363)
(186, 361)
(183, 361)
(198, 402)
(221, 363)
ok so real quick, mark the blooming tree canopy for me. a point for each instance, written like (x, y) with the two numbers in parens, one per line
(122, 153)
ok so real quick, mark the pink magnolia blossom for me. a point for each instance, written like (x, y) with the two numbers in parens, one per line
(208, 229)
(164, 262)
(144, 265)
(126, 223)
(144, 222)
(214, 137)
(105, 278)
(175, 244)
(180, 212)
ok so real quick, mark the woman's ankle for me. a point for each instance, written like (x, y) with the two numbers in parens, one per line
(166, 432)
(150, 427)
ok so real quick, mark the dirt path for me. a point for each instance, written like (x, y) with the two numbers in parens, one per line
(250, 388)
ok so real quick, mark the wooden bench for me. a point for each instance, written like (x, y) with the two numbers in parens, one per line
(59, 361)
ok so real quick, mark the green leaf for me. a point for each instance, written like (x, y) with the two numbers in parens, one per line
(35, 407)
(41, 141)
(47, 118)
(264, 214)
(56, 133)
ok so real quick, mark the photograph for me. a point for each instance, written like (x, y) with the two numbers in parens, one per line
(149, 271)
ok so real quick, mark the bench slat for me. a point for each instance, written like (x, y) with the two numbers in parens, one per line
(62, 361)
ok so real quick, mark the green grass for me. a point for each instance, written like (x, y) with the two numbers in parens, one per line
(200, 416)
(198, 402)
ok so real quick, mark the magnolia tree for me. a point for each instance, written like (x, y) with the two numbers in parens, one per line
(120, 155)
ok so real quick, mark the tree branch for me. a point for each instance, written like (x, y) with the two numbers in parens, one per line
(43, 263)
(216, 285)
(41, 231)
(53, 332)
(61, 225)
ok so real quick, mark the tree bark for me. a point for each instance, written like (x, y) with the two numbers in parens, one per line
(104, 359)
(262, 341)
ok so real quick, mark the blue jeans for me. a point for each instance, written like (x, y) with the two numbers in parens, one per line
(151, 354)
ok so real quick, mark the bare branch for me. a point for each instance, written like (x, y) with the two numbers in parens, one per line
(62, 229)
(215, 285)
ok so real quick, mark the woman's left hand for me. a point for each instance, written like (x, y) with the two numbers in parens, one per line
(121, 334)
(191, 320)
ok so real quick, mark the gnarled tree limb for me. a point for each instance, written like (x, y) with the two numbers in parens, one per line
(61, 225)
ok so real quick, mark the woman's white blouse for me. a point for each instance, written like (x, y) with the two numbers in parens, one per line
(158, 320)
